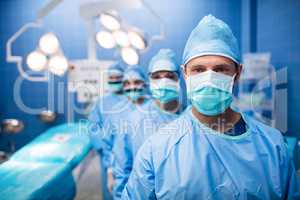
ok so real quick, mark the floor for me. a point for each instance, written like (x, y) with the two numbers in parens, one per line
(88, 179)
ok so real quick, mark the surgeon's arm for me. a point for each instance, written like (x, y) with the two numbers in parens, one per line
(94, 128)
(289, 182)
(292, 182)
(122, 164)
(141, 181)
(107, 142)
(100, 135)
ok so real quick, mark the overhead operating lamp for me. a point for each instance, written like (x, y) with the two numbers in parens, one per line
(36, 61)
(58, 65)
(105, 39)
(110, 20)
(137, 39)
(48, 56)
(130, 56)
(121, 38)
(49, 44)
(129, 41)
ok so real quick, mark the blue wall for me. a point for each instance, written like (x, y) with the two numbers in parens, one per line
(278, 30)
(70, 29)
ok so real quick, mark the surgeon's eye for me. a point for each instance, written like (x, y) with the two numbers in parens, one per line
(196, 70)
(155, 76)
(126, 83)
(172, 76)
(224, 69)
(220, 70)
(138, 82)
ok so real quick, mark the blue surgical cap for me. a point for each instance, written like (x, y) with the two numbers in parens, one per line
(211, 37)
(115, 69)
(134, 73)
(164, 60)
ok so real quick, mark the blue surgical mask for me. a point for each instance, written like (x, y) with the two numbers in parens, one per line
(134, 94)
(115, 86)
(210, 92)
(164, 90)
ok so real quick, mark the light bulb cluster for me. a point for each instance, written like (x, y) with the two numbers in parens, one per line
(48, 56)
(128, 41)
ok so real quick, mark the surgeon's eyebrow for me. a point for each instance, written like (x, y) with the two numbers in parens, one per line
(196, 65)
(225, 65)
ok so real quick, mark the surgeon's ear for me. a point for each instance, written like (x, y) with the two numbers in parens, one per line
(238, 73)
(183, 69)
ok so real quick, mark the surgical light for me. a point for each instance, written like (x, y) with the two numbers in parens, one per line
(130, 56)
(58, 65)
(137, 40)
(49, 43)
(105, 39)
(121, 38)
(110, 21)
(36, 61)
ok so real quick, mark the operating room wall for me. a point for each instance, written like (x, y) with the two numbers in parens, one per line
(278, 28)
(178, 16)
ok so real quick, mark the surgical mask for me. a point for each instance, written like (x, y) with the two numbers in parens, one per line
(210, 92)
(164, 90)
(115, 86)
(134, 93)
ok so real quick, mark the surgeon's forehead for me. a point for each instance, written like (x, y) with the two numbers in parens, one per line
(115, 76)
(210, 60)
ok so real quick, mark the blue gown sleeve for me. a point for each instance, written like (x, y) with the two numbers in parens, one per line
(107, 143)
(140, 184)
(291, 180)
(122, 165)
(100, 135)
(94, 128)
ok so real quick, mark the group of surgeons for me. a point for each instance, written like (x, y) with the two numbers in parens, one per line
(154, 145)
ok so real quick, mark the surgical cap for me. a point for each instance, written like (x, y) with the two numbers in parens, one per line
(134, 73)
(211, 37)
(115, 69)
(164, 60)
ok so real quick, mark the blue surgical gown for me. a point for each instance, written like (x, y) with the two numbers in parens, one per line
(146, 120)
(188, 160)
(105, 107)
(118, 121)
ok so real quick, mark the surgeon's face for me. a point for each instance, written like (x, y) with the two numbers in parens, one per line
(133, 84)
(164, 74)
(115, 78)
(218, 64)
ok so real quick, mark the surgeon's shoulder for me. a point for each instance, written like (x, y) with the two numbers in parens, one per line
(269, 133)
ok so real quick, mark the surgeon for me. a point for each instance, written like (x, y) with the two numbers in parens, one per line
(164, 75)
(100, 113)
(212, 151)
(135, 90)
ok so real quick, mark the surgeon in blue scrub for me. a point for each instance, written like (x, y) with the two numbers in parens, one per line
(135, 89)
(164, 76)
(212, 151)
(100, 113)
